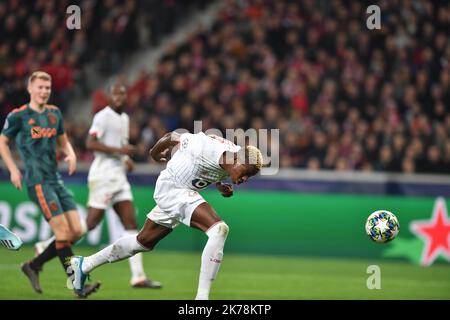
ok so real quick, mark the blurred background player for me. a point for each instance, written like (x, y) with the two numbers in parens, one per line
(107, 180)
(9, 239)
(199, 161)
(38, 129)
(108, 184)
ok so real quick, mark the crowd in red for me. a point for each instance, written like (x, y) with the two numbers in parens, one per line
(343, 97)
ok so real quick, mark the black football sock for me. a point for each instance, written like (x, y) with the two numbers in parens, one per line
(46, 255)
(64, 251)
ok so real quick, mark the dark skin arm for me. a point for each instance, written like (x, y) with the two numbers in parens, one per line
(161, 151)
(94, 145)
(226, 189)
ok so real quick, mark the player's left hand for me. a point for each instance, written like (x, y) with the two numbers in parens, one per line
(72, 162)
(226, 189)
(130, 165)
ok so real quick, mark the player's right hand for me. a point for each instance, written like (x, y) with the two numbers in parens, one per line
(72, 163)
(225, 189)
(130, 165)
(16, 179)
(128, 150)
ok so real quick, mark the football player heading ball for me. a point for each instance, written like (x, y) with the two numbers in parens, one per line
(198, 161)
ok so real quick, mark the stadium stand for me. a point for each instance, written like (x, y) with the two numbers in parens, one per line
(34, 36)
(343, 97)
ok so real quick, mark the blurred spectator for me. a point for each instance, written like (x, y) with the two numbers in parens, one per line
(33, 36)
(343, 97)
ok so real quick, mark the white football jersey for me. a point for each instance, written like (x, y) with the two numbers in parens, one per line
(111, 129)
(195, 164)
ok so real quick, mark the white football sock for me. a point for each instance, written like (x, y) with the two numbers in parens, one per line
(211, 258)
(136, 265)
(122, 248)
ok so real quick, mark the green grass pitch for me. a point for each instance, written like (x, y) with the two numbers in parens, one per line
(240, 277)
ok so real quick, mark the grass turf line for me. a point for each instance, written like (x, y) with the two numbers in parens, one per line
(240, 277)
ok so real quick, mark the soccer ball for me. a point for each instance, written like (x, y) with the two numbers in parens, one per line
(382, 226)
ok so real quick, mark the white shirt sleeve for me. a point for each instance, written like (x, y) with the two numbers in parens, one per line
(187, 143)
(98, 126)
(214, 147)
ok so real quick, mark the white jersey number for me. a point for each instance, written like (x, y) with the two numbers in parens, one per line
(200, 184)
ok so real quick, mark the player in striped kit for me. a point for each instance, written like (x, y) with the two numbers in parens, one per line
(199, 160)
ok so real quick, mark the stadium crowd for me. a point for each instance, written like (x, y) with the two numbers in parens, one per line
(34, 36)
(344, 97)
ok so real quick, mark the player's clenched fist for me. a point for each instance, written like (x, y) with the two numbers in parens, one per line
(225, 189)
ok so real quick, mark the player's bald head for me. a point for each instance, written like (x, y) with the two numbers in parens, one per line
(117, 95)
(116, 86)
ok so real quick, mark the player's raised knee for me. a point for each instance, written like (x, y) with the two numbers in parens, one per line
(224, 229)
(220, 229)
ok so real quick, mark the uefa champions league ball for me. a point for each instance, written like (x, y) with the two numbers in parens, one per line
(382, 226)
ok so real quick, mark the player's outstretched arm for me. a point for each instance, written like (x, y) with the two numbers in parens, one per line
(66, 147)
(162, 149)
(5, 152)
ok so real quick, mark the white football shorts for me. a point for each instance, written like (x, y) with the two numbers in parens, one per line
(174, 205)
(107, 192)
